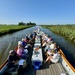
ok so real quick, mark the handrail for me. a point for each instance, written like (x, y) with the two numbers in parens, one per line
(61, 52)
(63, 56)
(6, 61)
(3, 64)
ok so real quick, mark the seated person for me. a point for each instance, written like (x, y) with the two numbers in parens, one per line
(21, 52)
(34, 34)
(56, 48)
(27, 38)
(24, 43)
(31, 36)
(48, 53)
(13, 58)
(44, 44)
(47, 48)
(54, 57)
(26, 52)
(28, 45)
(22, 64)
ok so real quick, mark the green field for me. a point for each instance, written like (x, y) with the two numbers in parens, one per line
(5, 29)
(66, 30)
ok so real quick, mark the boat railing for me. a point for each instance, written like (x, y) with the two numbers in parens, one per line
(60, 52)
(3, 64)
(64, 57)
(6, 61)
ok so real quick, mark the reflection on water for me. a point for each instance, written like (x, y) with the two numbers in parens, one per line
(9, 42)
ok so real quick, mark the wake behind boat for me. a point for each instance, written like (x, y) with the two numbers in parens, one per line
(38, 56)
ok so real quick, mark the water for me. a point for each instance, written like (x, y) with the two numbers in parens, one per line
(9, 42)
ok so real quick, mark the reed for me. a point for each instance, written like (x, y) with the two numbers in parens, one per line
(66, 30)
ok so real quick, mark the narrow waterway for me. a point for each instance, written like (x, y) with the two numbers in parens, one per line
(9, 42)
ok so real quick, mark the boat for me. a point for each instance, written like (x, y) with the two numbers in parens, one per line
(63, 67)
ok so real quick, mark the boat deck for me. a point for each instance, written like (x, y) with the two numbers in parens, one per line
(46, 69)
(52, 69)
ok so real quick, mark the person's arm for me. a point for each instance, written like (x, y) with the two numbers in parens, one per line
(10, 59)
(17, 58)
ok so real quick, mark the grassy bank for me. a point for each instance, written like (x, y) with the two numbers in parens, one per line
(66, 30)
(5, 29)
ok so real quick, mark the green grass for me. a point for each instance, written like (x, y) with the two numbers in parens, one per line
(5, 29)
(66, 30)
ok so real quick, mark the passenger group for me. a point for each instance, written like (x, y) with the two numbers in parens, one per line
(50, 49)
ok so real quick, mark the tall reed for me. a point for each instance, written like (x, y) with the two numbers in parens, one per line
(66, 30)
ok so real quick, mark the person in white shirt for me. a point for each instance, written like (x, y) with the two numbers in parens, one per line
(54, 57)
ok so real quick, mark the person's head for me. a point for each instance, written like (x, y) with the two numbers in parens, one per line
(53, 51)
(23, 39)
(12, 52)
(50, 39)
(19, 42)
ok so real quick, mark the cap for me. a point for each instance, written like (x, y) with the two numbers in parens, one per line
(22, 39)
(19, 42)
(11, 52)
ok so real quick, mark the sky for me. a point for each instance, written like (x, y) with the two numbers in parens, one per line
(37, 11)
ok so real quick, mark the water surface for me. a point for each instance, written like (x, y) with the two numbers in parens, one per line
(9, 41)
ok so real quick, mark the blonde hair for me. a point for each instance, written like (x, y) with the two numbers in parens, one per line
(53, 51)
(20, 46)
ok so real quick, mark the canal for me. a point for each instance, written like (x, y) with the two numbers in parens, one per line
(9, 42)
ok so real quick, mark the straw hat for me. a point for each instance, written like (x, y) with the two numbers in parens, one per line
(52, 46)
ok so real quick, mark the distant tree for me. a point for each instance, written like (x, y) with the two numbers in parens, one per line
(27, 24)
(22, 23)
(30, 23)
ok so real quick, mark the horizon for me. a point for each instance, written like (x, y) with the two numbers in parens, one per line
(49, 12)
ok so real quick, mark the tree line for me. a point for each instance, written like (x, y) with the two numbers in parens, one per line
(30, 23)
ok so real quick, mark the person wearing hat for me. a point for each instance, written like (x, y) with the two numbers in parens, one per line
(54, 57)
(13, 58)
